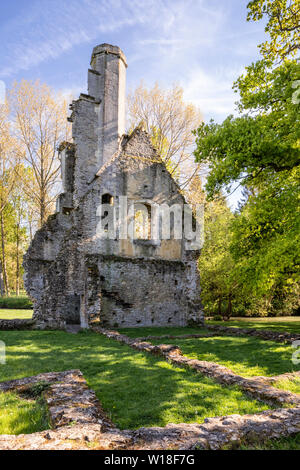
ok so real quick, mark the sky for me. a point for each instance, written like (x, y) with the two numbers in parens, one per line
(202, 45)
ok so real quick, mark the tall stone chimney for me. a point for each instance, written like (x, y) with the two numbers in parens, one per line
(99, 117)
(106, 83)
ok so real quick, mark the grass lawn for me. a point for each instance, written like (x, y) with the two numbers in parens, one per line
(246, 356)
(288, 443)
(136, 389)
(284, 324)
(19, 416)
(158, 331)
(9, 314)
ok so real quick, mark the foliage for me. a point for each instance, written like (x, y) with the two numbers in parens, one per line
(260, 151)
(216, 263)
(39, 121)
(251, 149)
(170, 122)
(283, 26)
(16, 302)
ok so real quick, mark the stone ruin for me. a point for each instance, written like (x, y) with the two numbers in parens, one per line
(76, 276)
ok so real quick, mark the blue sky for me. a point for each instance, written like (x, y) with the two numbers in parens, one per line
(203, 45)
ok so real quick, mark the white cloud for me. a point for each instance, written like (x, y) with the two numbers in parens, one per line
(212, 91)
(58, 27)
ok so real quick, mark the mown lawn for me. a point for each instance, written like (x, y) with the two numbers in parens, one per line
(19, 416)
(11, 314)
(246, 356)
(284, 324)
(136, 389)
(159, 331)
(287, 443)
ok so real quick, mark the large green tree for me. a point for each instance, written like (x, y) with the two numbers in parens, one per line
(260, 150)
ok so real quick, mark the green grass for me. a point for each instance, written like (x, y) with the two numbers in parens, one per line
(246, 356)
(19, 416)
(16, 302)
(287, 443)
(290, 385)
(136, 389)
(11, 314)
(283, 324)
(158, 331)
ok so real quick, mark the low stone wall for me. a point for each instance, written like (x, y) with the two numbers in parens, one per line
(214, 434)
(281, 377)
(254, 387)
(81, 424)
(67, 395)
(17, 324)
(263, 334)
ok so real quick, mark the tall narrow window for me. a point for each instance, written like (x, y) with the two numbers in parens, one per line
(106, 199)
(142, 221)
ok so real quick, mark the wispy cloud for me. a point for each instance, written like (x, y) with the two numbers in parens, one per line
(59, 26)
(197, 43)
(212, 91)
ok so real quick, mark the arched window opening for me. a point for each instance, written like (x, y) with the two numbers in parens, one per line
(106, 199)
(142, 222)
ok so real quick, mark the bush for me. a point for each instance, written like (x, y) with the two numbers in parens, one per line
(217, 318)
(16, 302)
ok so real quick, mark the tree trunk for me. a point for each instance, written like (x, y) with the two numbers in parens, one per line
(5, 279)
(18, 260)
(220, 306)
(2, 290)
(229, 307)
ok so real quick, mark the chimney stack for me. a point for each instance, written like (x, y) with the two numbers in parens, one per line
(107, 84)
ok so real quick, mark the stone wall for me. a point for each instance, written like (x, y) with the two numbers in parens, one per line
(73, 274)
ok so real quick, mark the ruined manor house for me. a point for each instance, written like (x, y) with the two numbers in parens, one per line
(77, 276)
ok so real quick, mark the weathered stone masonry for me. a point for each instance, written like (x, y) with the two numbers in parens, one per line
(73, 275)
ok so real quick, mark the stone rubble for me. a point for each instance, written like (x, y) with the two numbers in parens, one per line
(16, 324)
(80, 423)
(68, 398)
(214, 433)
(221, 374)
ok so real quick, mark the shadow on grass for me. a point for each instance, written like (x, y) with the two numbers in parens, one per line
(292, 326)
(136, 389)
(244, 355)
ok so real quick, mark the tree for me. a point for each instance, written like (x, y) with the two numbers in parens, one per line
(19, 205)
(170, 122)
(8, 165)
(260, 150)
(283, 26)
(216, 265)
(40, 124)
(249, 148)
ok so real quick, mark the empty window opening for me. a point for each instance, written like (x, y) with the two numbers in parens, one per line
(142, 222)
(106, 199)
